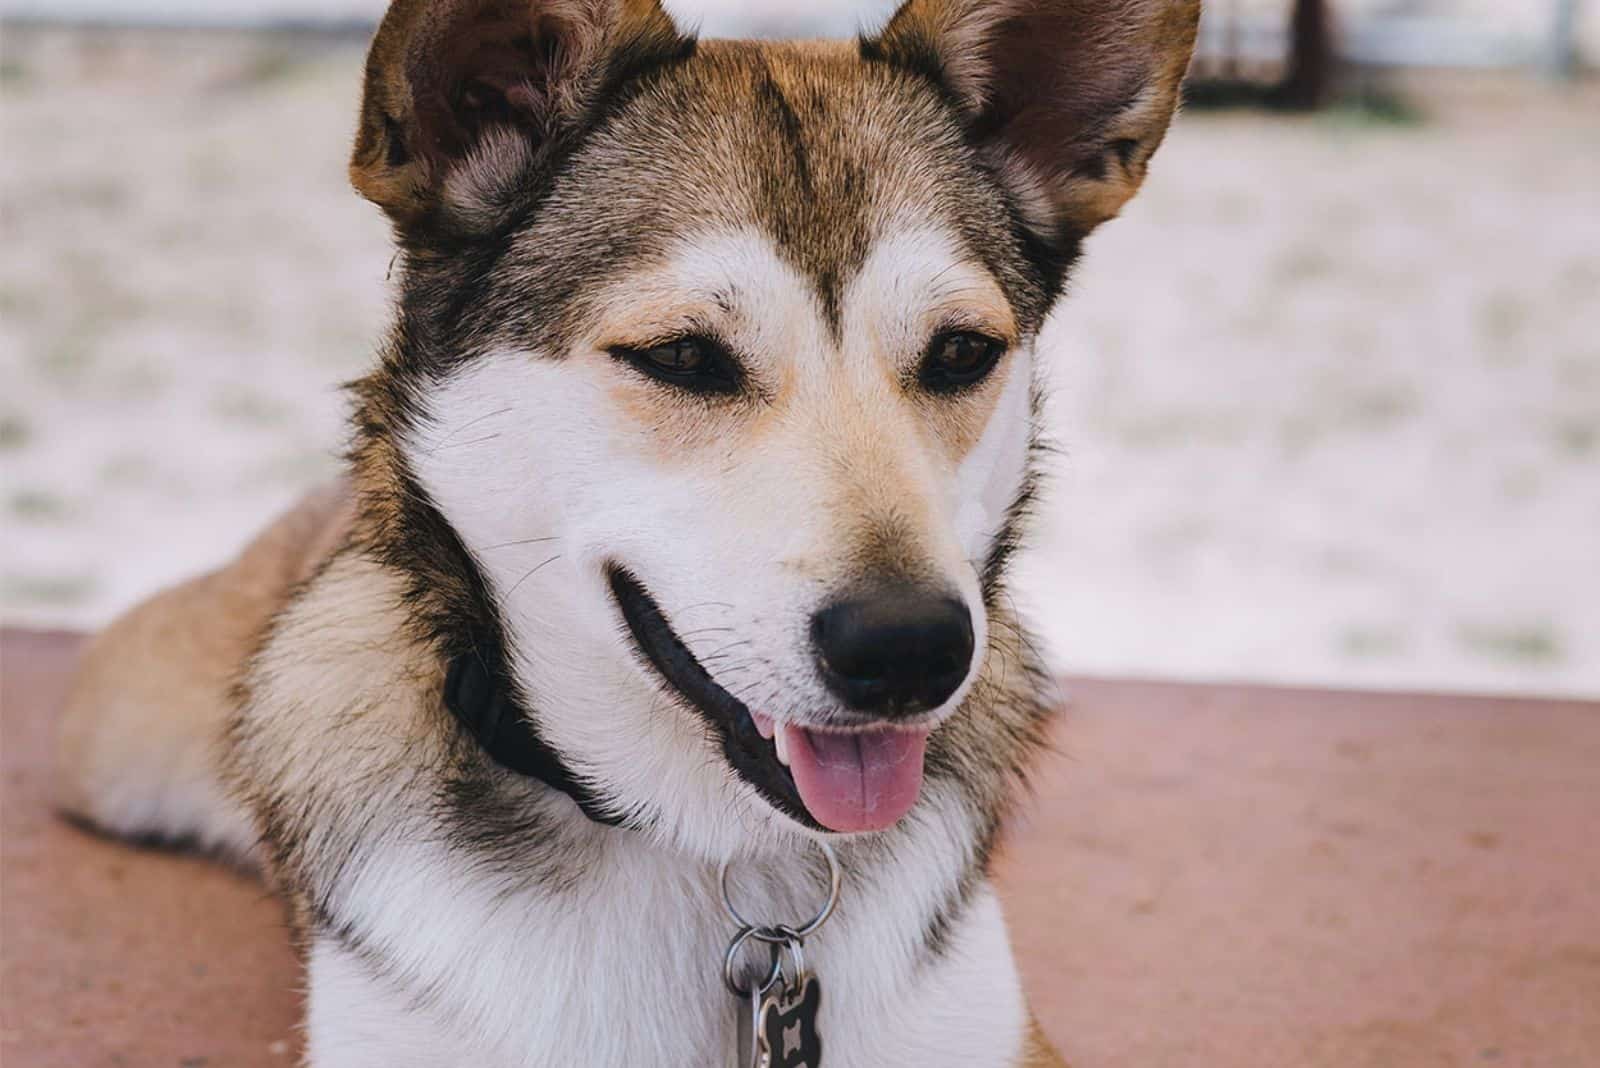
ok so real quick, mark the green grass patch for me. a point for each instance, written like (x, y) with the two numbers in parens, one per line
(37, 506)
(1372, 642)
(1536, 643)
(15, 433)
(52, 590)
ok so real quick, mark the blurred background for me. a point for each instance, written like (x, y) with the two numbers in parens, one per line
(1326, 397)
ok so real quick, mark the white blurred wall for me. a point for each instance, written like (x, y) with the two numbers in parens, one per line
(715, 16)
(1518, 26)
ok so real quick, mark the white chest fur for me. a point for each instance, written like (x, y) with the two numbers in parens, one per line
(451, 967)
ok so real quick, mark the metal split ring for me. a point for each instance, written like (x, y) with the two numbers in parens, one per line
(797, 956)
(780, 934)
(731, 958)
(777, 939)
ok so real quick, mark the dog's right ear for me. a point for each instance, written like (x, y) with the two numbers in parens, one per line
(450, 80)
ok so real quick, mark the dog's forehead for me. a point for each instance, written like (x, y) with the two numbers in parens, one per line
(825, 153)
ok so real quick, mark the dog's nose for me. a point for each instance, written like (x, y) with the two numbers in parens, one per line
(894, 653)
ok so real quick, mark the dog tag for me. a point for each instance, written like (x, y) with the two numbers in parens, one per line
(780, 1031)
(788, 1025)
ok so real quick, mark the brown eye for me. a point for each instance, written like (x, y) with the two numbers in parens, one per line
(682, 357)
(694, 363)
(957, 359)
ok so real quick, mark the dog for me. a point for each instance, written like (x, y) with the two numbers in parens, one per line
(674, 533)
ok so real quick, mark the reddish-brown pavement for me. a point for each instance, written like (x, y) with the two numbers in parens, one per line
(1230, 877)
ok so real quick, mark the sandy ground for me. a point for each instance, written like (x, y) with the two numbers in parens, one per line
(1327, 397)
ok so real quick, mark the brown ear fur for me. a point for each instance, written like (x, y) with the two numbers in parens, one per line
(441, 74)
(1067, 98)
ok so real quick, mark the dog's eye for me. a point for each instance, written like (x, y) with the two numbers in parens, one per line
(958, 359)
(695, 363)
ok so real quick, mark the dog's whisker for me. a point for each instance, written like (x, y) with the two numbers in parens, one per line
(468, 425)
(534, 570)
(686, 635)
(520, 541)
(685, 610)
(464, 444)
(1019, 632)
(722, 649)
(736, 643)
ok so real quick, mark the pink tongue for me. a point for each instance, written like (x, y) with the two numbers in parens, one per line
(861, 781)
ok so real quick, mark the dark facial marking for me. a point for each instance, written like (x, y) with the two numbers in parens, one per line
(770, 99)
(772, 102)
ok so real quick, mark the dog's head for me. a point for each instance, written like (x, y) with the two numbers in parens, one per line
(714, 364)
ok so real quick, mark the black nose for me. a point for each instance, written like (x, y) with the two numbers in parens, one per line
(897, 652)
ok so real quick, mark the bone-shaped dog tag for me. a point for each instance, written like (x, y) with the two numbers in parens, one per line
(788, 1025)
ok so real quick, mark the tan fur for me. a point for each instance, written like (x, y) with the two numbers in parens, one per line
(143, 723)
(1038, 1053)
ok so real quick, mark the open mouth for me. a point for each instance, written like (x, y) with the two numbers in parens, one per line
(836, 780)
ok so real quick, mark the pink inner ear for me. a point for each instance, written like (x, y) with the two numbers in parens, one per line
(440, 72)
(482, 66)
(1056, 80)
(507, 81)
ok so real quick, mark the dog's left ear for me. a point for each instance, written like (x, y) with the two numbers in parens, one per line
(1067, 99)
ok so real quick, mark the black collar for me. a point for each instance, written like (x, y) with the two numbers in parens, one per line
(485, 707)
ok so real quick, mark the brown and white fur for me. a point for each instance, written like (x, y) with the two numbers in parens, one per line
(570, 180)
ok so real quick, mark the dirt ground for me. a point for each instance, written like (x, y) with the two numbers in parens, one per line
(1327, 397)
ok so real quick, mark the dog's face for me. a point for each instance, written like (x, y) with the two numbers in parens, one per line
(717, 360)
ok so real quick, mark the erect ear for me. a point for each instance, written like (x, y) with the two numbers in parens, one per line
(1068, 99)
(444, 77)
